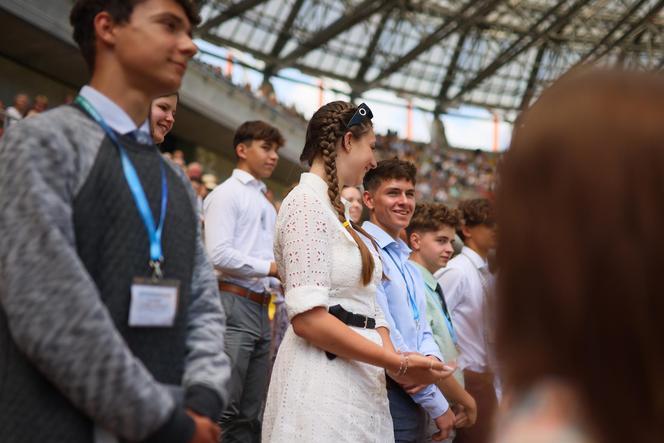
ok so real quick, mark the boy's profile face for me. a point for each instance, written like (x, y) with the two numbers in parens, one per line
(154, 45)
(435, 248)
(259, 156)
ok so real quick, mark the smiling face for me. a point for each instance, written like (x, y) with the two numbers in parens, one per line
(154, 46)
(355, 157)
(162, 116)
(354, 197)
(392, 204)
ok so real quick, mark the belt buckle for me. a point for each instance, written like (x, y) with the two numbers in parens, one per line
(366, 322)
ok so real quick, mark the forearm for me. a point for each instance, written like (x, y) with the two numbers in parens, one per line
(207, 368)
(327, 332)
(233, 262)
(453, 391)
(385, 336)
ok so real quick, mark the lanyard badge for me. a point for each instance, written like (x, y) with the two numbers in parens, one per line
(153, 301)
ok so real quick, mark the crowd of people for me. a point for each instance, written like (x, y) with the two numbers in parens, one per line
(445, 175)
(135, 306)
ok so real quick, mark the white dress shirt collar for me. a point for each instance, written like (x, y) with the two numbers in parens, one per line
(246, 178)
(475, 258)
(114, 116)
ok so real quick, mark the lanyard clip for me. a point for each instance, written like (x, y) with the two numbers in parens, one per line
(156, 269)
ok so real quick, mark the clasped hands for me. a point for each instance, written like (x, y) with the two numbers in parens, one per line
(416, 371)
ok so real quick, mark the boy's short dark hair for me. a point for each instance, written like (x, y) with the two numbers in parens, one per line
(477, 211)
(389, 169)
(430, 217)
(257, 130)
(84, 11)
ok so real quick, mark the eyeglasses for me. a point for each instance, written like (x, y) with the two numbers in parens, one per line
(362, 113)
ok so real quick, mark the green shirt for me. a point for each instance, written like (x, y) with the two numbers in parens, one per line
(436, 318)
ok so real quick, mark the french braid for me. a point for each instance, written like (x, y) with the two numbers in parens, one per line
(328, 127)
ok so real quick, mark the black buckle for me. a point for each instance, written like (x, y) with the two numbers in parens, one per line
(362, 113)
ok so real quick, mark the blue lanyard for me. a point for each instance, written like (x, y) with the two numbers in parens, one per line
(411, 296)
(154, 233)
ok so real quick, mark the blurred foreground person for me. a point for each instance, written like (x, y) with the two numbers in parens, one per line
(110, 320)
(580, 307)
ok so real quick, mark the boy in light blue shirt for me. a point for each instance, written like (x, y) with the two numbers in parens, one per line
(390, 196)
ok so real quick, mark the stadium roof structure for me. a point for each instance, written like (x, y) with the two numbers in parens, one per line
(496, 54)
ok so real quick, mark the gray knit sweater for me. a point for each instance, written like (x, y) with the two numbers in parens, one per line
(60, 326)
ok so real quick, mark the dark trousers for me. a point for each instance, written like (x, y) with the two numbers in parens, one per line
(480, 386)
(247, 343)
(408, 418)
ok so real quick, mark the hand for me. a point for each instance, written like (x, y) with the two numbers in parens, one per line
(422, 370)
(206, 431)
(412, 389)
(444, 423)
(460, 416)
(468, 407)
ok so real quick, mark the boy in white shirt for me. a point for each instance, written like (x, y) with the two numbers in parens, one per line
(467, 286)
(239, 236)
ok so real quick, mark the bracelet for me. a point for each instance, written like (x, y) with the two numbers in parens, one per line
(403, 367)
(406, 368)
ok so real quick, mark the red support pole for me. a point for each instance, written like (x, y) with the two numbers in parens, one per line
(229, 65)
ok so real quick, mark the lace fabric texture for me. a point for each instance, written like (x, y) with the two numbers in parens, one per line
(312, 398)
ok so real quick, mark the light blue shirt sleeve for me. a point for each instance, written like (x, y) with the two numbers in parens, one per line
(432, 400)
(397, 340)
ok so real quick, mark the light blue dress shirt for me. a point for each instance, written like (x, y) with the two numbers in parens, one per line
(114, 116)
(407, 334)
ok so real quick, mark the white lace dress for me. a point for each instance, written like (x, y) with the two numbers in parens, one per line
(311, 398)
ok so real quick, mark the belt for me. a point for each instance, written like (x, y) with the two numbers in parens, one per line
(262, 299)
(357, 320)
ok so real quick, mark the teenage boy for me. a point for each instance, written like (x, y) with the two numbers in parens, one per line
(467, 285)
(430, 236)
(110, 321)
(239, 236)
(390, 197)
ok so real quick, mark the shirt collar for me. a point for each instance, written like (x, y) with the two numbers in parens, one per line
(384, 239)
(245, 178)
(114, 116)
(427, 276)
(474, 257)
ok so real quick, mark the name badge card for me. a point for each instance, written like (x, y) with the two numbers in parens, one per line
(154, 303)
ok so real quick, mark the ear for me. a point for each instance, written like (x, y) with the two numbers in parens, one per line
(241, 151)
(367, 198)
(104, 26)
(345, 141)
(414, 241)
(466, 231)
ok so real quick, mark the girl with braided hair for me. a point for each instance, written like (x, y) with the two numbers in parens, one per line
(328, 381)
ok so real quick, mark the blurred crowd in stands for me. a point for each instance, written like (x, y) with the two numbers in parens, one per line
(444, 175)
